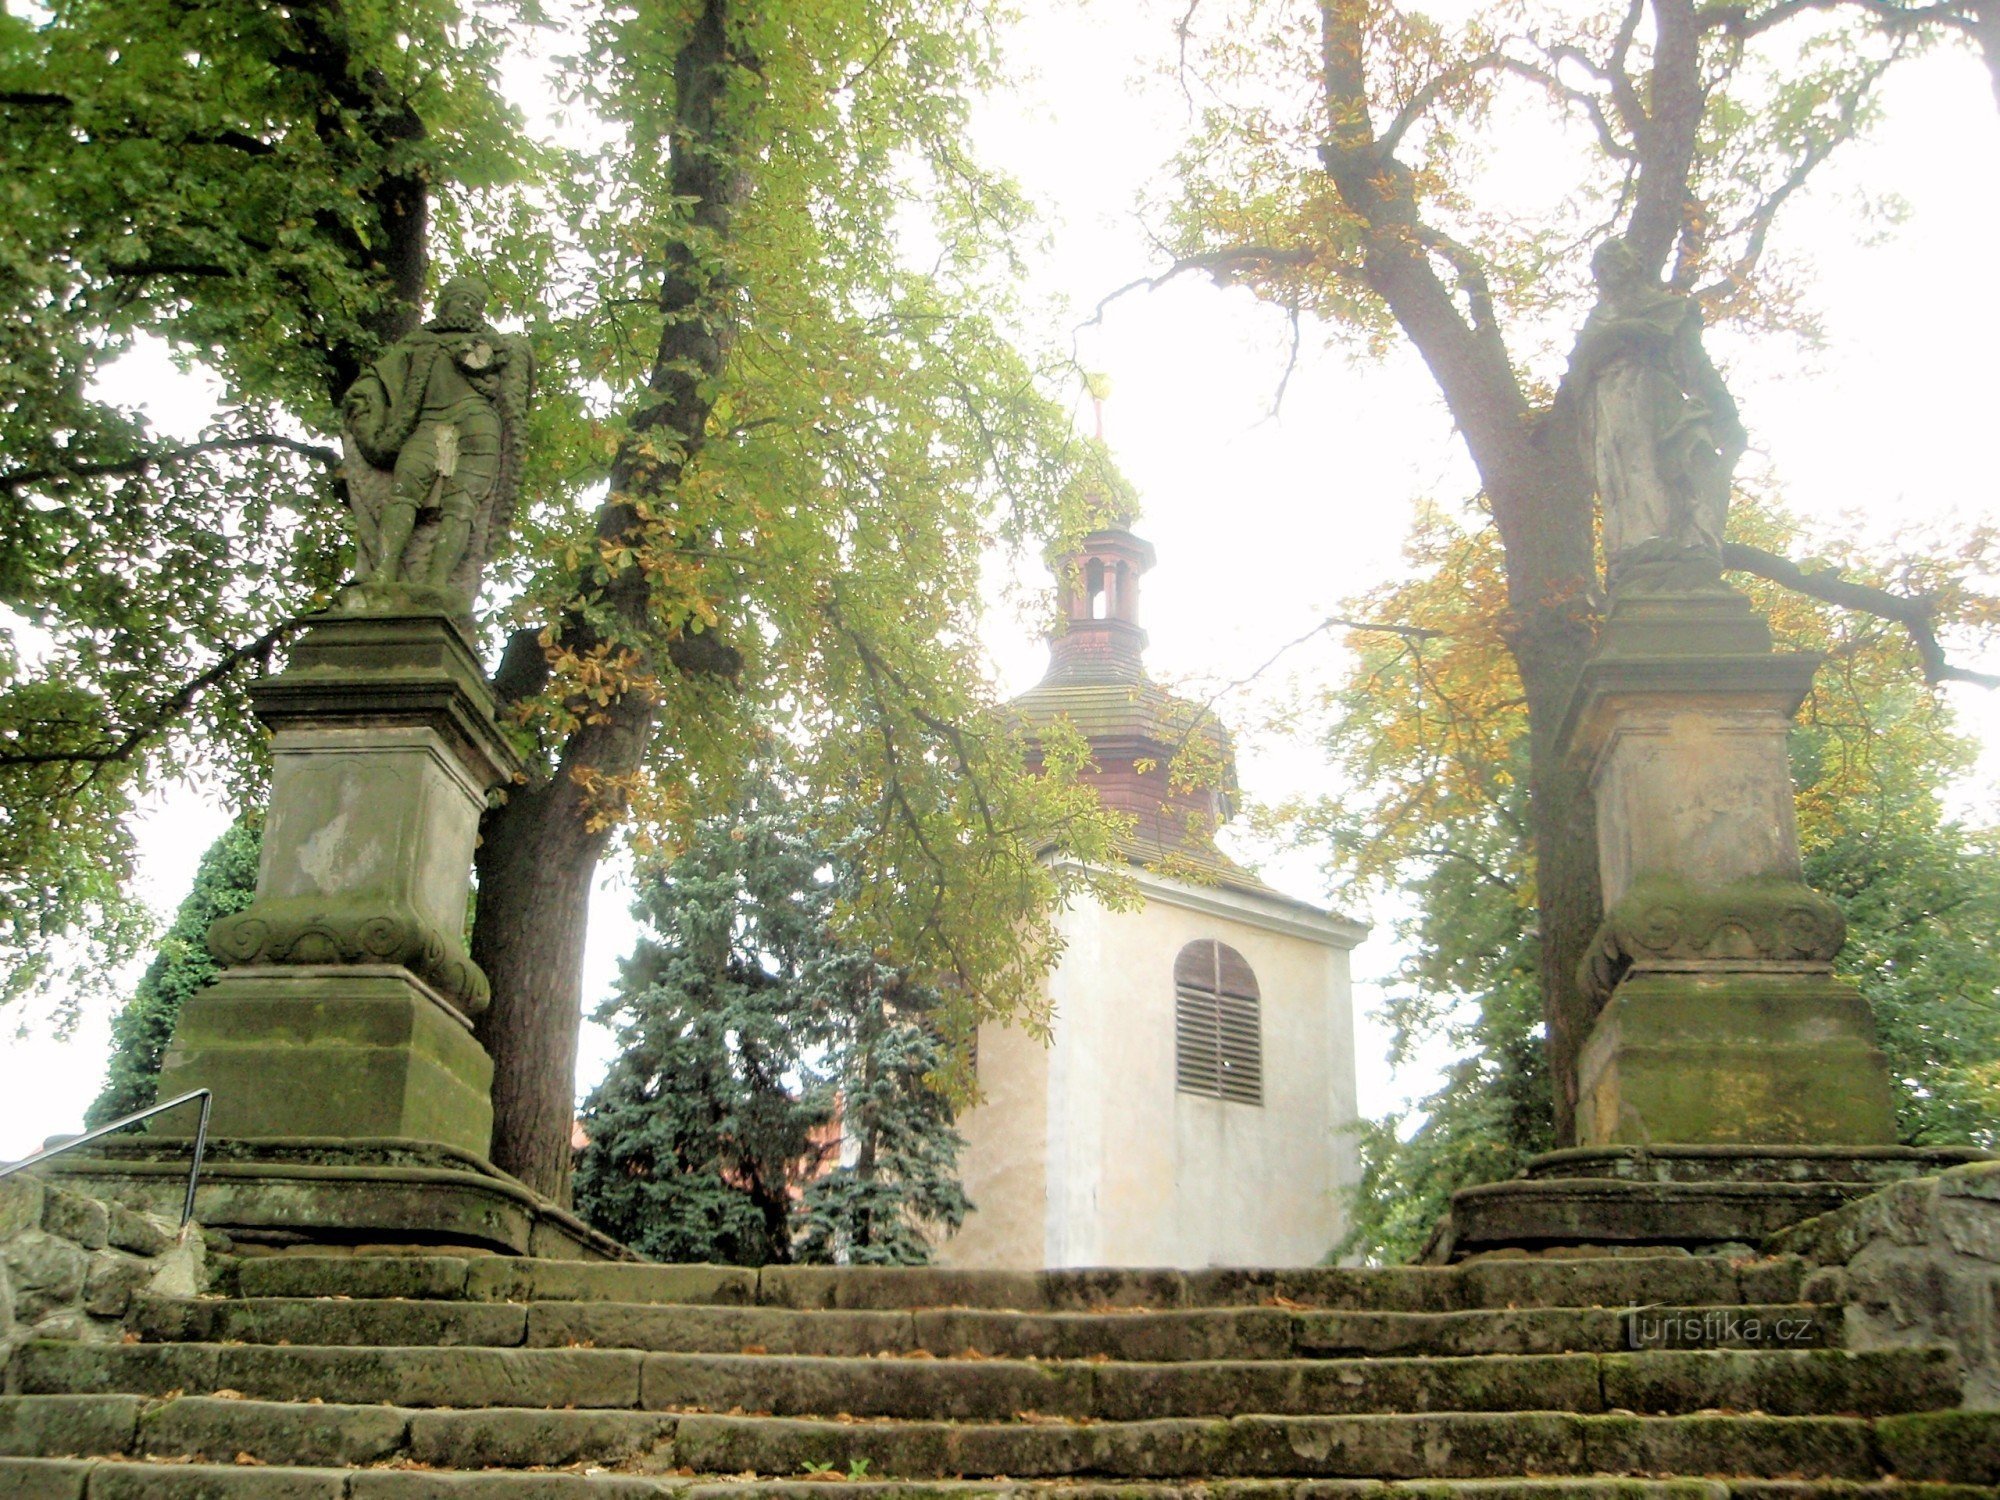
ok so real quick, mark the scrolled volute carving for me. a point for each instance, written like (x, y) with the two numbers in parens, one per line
(1747, 924)
(322, 931)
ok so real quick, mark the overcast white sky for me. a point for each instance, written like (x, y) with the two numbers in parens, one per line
(1265, 524)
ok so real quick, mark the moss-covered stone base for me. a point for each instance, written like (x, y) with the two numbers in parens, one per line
(339, 1195)
(1743, 1058)
(340, 1050)
(1698, 1199)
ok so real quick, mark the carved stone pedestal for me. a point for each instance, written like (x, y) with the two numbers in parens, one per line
(346, 1007)
(352, 1101)
(1731, 1085)
(1721, 1020)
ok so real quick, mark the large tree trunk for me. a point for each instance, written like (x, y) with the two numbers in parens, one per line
(1530, 462)
(540, 850)
(1540, 494)
(537, 857)
(398, 199)
(1562, 819)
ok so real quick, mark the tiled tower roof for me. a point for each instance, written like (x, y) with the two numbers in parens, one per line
(1140, 734)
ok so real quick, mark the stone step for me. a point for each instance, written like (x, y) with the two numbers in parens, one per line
(1786, 1383)
(1963, 1447)
(1208, 1333)
(1490, 1284)
(59, 1479)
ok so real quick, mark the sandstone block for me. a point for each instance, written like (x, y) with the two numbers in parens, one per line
(113, 1277)
(1770, 1447)
(58, 1426)
(1783, 1383)
(163, 1319)
(72, 1324)
(434, 1325)
(75, 1217)
(345, 1276)
(392, 1484)
(20, 1205)
(501, 1280)
(47, 1271)
(516, 1439)
(43, 1478)
(721, 1330)
(214, 1482)
(139, 1233)
(182, 1271)
(1959, 1447)
(45, 1366)
(276, 1432)
(436, 1377)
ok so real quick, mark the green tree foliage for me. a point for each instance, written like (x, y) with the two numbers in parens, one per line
(798, 292)
(902, 1188)
(1922, 897)
(1431, 723)
(1355, 164)
(748, 1024)
(251, 187)
(224, 882)
(780, 422)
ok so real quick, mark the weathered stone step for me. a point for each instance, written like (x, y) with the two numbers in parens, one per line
(1555, 1330)
(1438, 1446)
(1609, 1282)
(1964, 1447)
(57, 1479)
(1194, 1334)
(1778, 1382)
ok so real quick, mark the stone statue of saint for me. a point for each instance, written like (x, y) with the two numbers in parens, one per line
(433, 436)
(1660, 430)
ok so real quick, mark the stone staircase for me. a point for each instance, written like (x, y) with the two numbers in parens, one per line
(405, 1378)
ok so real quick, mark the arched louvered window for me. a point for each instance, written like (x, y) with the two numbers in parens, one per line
(1218, 1028)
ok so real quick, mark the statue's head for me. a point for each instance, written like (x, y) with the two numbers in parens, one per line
(461, 303)
(1614, 263)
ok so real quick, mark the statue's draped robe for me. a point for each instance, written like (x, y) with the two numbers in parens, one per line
(1659, 430)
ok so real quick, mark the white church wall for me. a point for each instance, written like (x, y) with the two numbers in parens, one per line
(1136, 1172)
(1004, 1166)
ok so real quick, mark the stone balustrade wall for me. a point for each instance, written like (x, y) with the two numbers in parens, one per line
(71, 1265)
(1917, 1263)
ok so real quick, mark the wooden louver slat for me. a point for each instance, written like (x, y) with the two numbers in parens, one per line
(1218, 1028)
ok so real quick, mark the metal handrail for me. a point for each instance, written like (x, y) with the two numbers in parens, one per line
(194, 1166)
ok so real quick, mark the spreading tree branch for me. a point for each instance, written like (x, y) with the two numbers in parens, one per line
(1569, 93)
(1746, 21)
(1810, 159)
(1225, 267)
(1419, 104)
(15, 479)
(169, 708)
(1915, 613)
